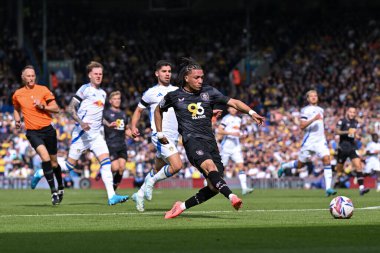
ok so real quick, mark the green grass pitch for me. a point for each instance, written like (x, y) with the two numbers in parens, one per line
(270, 221)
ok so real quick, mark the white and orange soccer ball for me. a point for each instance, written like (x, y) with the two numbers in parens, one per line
(341, 207)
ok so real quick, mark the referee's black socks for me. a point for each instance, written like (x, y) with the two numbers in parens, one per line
(360, 177)
(58, 175)
(218, 182)
(49, 175)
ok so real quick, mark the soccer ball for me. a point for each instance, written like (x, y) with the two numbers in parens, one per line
(341, 207)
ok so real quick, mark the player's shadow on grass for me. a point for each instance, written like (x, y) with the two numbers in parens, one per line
(204, 216)
(66, 204)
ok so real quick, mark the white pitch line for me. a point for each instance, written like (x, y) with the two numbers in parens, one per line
(162, 213)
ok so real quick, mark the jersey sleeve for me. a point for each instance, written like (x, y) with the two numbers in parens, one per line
(48, 96)
(81, 93)
(166, 102)
(224, 121)
(15, 101)
(304, 115)
(145, 100)
(339, 125)
(219, 98)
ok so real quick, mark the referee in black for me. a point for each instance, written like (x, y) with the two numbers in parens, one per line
(193, 104)
(347, 129)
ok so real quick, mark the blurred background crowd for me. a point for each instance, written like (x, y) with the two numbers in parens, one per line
(335, 52)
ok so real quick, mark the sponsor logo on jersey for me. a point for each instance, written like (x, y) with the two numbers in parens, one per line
(99, 103)
(197, 111)
(199, 152)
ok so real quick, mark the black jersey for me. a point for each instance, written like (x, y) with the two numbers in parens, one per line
(115, 137)
(344, 125)
(194, 110)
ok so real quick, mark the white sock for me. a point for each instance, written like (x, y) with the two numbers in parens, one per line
(361, 187)
(378, 186)
(290, 165)
(328, 176)
(231, 195)
(162, 174)
(141, 191)
(183, 206)
(107, 179)
(243, 181)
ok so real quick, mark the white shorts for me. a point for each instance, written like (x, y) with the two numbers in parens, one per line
(235, 155)
(309, 149)
(83, 141)
(372, 163)
(164, 151)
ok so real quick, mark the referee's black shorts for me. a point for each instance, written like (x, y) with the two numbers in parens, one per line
(118, 152)
(199, 150)
(46, 136)
(346, 150)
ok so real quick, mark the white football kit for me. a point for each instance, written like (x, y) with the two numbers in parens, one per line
(314, 140)
(372, 163)
(151, 98)
(230, 145)
(90, 111)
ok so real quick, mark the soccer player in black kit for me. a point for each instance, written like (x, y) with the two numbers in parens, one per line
(193, 104)
(115, 129)
(347, 131)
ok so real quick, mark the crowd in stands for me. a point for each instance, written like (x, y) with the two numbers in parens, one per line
(339, 57)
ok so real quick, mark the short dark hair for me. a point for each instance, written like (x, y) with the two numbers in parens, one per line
(162, 63)
(27, 67)
(187, 64)
(93, 64)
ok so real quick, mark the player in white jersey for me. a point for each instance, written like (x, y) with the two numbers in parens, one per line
(168, 161)
(314, 141)
(86, 108)
(230, 129)
(372, 163)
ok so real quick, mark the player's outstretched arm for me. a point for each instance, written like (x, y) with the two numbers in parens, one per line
(158, 121)
(135, 119)
(244, 108)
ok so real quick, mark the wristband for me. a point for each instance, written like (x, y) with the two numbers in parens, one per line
(251, 112)
(160, 135)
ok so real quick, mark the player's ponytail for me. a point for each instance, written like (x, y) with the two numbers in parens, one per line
(186, 65)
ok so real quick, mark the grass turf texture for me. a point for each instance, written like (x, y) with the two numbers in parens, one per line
(270, 221)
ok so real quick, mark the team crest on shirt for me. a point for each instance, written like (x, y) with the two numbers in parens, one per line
(199, 152)
(171, 149)
(205, 96)
(78, 151)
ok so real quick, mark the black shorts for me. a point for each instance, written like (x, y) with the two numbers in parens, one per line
(346, 150)
(199, 150)
(46, 136)
(118, 152)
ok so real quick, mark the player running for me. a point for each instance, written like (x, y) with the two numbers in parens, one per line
(86, 108)
(36, 103)
(347, 129)
(193, 104)
(168, 161)
(372, 163)
(115, 131)
(230, 129)
(314, 141)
